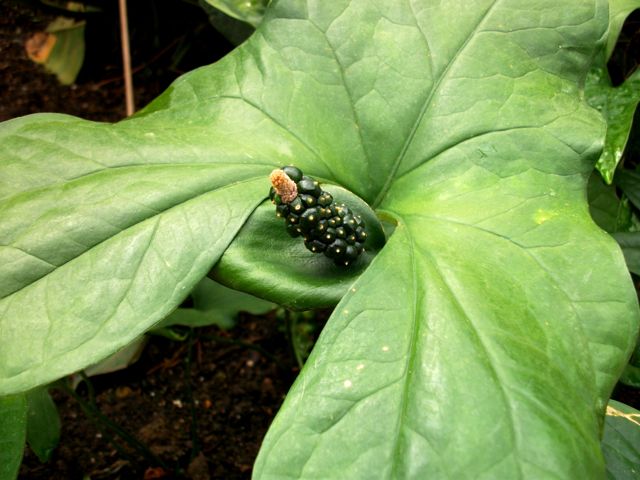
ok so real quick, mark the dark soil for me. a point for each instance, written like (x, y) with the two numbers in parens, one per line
(201, 407)
(167, 38)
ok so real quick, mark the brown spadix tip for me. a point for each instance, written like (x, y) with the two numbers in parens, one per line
(283, 185)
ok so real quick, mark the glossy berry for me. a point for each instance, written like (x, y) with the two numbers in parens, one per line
(327, 227)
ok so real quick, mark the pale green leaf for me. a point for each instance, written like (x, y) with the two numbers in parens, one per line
(215, 304)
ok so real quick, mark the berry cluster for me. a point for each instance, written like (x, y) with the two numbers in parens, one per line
(310, 212)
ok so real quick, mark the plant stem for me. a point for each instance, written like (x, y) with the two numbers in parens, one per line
(290, 323)
(126, 57)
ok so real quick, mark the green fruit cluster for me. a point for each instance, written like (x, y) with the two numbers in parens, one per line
(327, 227)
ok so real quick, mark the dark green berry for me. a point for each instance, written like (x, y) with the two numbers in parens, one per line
(282, 210)
(308, 200)
(309, 219)
(327, 227)
(294, 173)
(309, 186)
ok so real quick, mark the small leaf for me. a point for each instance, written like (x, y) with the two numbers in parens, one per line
(629, 182)
(117, 361)
(43, 423)
(618, 106)
(250, 11)
(215, 304)
(60, 49)
(13, 432)
(611, 213)
(621, 442)
(619, 10)
(630, 244)
(631, 374)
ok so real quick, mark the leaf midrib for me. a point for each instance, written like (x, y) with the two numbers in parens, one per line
(106, 239)
(425, 107)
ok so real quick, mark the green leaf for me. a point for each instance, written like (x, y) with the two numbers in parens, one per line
(609, 211)
(492, 325)
(43, 423)
(630, 244)
(215, 304)
(621, 441)
(114, 362)
(92, 260)
(234, 30)
(13, 425)
(631, 374)
(60, 49)
(629, 182)
(619, 10)
(250, 11)
(288, 274)
(618, 104)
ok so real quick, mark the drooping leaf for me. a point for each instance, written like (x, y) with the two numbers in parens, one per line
(215, 304)
(234, 30)
(619, 10)
(629, 182)
(43, 423)
(483, 339)
(250, 11)
(610, 212)
(13, 428)
(631, 374)
(60, 48)
(630, 244)
(617, 104)
(114, 362)
(621, 441)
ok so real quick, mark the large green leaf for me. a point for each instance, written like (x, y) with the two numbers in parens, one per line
(485, 336)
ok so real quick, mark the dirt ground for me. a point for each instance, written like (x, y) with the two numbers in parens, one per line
(198, 409)
(201, 407)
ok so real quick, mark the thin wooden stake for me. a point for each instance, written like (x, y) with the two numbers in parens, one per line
(126, 58)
